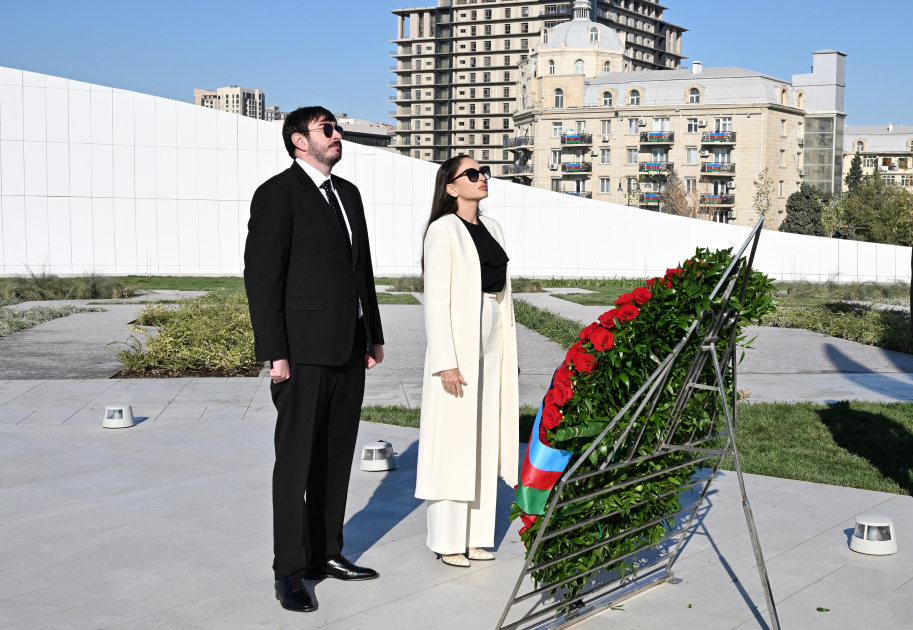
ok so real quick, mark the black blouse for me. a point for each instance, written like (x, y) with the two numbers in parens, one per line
(492, 257)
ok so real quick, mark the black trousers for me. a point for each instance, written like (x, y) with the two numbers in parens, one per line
(319, 408)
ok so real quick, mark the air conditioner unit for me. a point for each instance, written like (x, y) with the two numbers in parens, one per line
(730, 185)
(801, 142)
(553, 167)
(801, 172)
(594, 153)
(732, 215)
(702, 123)
(705, 154)
(606, 138)
(642, 123)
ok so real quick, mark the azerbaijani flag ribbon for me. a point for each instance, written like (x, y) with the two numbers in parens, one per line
(542, 467)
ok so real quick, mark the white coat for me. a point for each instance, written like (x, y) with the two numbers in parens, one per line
(447, 450)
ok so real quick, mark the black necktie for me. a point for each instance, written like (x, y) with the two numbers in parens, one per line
(334, 203)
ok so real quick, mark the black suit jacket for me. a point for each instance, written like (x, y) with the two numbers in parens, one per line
(301, 286)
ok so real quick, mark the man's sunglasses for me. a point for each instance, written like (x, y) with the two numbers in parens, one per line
(473, 174)
(328, 129)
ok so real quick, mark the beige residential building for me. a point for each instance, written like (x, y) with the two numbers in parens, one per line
(887, 149)
(233, 99)
(587, 130)
(457, 67)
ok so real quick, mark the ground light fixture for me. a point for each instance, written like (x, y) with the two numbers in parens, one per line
(874, 535)
(118, 417)
(377, 457)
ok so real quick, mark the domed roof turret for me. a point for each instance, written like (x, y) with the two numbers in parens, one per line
(577, 32)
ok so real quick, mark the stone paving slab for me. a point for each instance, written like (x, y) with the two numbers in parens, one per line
(167, 526)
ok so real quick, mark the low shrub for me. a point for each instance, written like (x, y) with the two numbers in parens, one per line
(525, 285)
(47, 286)
(881, 292)
(888, 329)
(406, 284)
(211, 335)
(12, 320)
(559, 329)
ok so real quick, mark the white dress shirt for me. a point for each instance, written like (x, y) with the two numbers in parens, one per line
(319, 179)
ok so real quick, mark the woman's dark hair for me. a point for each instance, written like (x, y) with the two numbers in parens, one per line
(442, 204)
(299, 120)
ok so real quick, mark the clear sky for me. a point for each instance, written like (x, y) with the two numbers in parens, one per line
(336, 53)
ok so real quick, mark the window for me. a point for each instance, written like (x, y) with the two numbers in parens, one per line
(507, 76)
(505, 108)
(690, 185)
(633, 126)
(860, 147)
(556, 129)
(507, 13)
(524, 28)
(472, 46)
(472, 92)
(607, 99)
(607, 67)
(551, 66)
(578, 67)
(505, 155)
(506, 92)
(472, 153)
(472, 108)
(692, 125)
(487, 45)
(605, 185)
(559, 98)
(723, 124)
(486, 139)
(906, 180)
(486, 123)
(473, 15)
(486, 77)
(632, 156)
(556, 157)
(694, 95)
(486, 92)
(507, 29)
(485, 154)
(472, 123)
(581, 126)
(781, 189)
(661, 124)
(486, 61)
(606, 127)
(869, 162)
(594, 34)
(472, 30)
(782, 158)
(605, 156)
(634, 98)
(505, 122)
(691, 155)
(783, 128)
(472, 77)
(888, 179)
(556, 185)
(524, 44)
(722, 156)
(506, 60)
(486, 108)
(472, 137)
(488, 29)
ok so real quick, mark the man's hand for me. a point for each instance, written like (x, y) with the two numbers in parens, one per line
(378, 353)
(453, 382)
(280, 371)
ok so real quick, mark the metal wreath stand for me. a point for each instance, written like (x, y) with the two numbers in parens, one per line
(654, 572)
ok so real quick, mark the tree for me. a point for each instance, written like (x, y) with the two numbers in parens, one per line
(854, 177)
(803, 213)
(764, 187)
(880, 212)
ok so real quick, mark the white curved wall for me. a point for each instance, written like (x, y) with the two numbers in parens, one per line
(95, 178)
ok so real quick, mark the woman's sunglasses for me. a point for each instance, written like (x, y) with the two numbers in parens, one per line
(473, 174)
(329, 128)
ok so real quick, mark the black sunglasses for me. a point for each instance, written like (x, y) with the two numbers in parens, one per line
(473, 174)
(329, 128)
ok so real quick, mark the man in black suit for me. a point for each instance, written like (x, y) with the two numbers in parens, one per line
(310, 285)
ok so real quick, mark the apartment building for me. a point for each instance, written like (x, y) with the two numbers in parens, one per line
(234, 99)
(886, 149)
(458, 62)
(619, 136)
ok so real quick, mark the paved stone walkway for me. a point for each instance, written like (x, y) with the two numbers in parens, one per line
(167, 526)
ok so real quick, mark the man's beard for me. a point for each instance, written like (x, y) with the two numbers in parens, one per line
(322, 155)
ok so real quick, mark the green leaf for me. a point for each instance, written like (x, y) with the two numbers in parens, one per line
(819, 609)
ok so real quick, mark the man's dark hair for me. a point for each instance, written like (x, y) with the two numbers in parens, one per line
(299, 120)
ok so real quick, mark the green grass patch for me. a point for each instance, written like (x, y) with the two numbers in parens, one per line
(40, 285)
(565, 332)
(226, 285)
(889, 329)
(594, 283)
(856, 444)
(880, 292)
(13, 320)
(603, 296)
(396, 298)
(405, 417)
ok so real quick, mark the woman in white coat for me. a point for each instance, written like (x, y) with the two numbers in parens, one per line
(470, 404)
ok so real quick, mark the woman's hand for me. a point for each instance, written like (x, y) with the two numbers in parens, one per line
(453, 382)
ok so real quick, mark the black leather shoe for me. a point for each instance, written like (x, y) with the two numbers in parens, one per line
(292, 594)
(341, 569)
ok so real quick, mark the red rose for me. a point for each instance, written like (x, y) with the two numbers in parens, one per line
(651, 282)
(543, 436)
(561, 393)
(551, 415)
(577, 347)
(627, 298)
(641, 295)
(607, 319)
(563, 376)
(628, 312)
(668, 283)
(674, 272)
(589, 330)
(584, 363)
(528, 520)
(602, 340)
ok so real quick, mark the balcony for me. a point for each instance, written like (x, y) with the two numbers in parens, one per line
(513, 170)
(577, 139)
(718, 137)
(586, 194)
(655, 167)
(406, 51)
(518, 142)
(649, 199)
(718, 168)
(718, 200)
(657, 137)
(576, 167)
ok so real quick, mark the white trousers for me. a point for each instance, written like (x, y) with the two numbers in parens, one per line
(454, 526)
